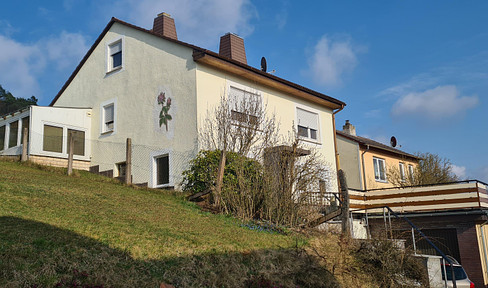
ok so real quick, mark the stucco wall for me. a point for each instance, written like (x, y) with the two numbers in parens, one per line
(390, 161)
(151, 65)
(212, 84)
(349, 159)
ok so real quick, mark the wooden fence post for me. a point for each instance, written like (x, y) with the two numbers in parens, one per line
(24, 144)
(128, 162)
(346, 229)
(71, 142)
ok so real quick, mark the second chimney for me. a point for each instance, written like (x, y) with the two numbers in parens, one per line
(164, 25)
(349, 128)
(232, 46)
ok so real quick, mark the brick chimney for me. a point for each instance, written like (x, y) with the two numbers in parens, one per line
(164, 25)
(349, 128)
(232, 46)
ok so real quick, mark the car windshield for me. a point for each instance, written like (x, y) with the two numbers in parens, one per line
(458, 272)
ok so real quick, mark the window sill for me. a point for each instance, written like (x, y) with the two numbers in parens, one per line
(381, 181)
(309, 140)
(114, 70)
(165, 186)
(107, 132)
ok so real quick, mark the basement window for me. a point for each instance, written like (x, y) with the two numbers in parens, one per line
(162, 170)
(379, 169)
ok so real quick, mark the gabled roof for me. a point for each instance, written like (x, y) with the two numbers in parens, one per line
(375, 144)
(199, 55)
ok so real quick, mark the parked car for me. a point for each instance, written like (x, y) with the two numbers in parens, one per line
(462, 280)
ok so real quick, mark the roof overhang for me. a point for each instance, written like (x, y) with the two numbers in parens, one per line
(266, 79)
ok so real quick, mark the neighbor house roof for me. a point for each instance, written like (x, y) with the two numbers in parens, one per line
(205, 56)
(379, 146)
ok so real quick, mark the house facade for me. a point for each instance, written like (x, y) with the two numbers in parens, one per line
(149, 86)
(366, 162)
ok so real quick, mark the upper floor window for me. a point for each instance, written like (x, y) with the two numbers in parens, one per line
(308, 124)
(245, 106)
(379, 169)
(401, 167)
(410, 171)
(114, 56)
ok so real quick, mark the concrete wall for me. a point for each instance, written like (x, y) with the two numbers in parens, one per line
(350, 162)
(151, 65)
(212, 84)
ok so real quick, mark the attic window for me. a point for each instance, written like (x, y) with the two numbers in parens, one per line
(115, 56)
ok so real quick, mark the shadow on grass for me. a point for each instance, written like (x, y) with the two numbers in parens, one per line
(35, 254)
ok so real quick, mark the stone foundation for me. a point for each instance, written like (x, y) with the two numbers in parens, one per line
(59, 162)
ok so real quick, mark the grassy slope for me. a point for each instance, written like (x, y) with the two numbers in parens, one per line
(91, 230)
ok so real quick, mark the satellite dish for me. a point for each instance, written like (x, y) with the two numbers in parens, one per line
(264, 66)
(393, 141)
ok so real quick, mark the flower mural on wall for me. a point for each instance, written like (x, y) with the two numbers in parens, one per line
(164, 115)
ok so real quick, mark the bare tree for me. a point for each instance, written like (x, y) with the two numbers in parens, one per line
(431, 169)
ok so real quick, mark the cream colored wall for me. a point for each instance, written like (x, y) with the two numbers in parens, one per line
(349, 159)
(211, 84)
(150, 65)
(390, 161)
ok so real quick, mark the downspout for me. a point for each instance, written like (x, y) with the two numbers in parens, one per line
(364, 170)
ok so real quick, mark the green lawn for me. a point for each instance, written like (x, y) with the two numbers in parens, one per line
(90, 230)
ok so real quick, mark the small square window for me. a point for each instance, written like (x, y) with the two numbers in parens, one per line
(121, 169)
(115, 56)
(302, 131)
(108, 118)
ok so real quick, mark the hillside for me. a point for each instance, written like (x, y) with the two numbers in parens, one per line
(90, 231)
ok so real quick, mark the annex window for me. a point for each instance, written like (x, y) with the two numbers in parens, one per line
(25, 124)
(401, 167)
(53, 139)
(162, 170)
(410, 171)
(244, 105)
(379, 169)
(115, 55)
(13, 135)
(308, 124)
(108, 118)
(2, 137)
(79, 142)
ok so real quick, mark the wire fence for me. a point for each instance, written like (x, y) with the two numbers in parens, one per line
(151, 165)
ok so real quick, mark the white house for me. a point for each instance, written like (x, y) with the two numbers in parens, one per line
(149, 86)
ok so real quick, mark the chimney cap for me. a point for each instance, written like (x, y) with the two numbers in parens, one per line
(164, 14)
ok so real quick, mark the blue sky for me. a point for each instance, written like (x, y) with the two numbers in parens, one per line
(417, 70)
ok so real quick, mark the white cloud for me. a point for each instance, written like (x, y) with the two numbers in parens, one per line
(19, 64)
(197, 22)
(437, 103)
(22, 63)
(459, 171)
(66, 49)
(331, 60)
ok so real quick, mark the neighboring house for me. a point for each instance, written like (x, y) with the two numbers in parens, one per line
(149, 86)
(366, 161)
(452, 215)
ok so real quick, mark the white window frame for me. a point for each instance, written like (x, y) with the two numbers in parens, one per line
(377, 170)
(103, 128)
(109, 62)
(154, 169)
(410, 171)
(319, 126)
(64, 153)
(403, 175)
(246, 89)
